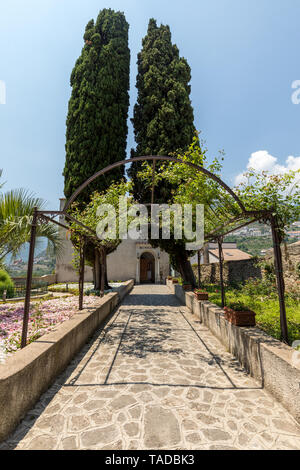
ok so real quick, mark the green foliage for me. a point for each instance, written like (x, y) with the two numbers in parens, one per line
(280, 193)
(64, 289)
(96, 292)
(190, 186)
(263, 287)
(163, 116)
(98, 108)
(6, 283)
(89, 217)
(268, 270)
(238, 306)
(264, 302)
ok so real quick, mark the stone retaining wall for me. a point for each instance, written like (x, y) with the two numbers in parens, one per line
(234, 271)
(29, 372)
(274, 364)
(291, 260)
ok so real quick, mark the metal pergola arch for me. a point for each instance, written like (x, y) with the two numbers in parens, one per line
(216, 235)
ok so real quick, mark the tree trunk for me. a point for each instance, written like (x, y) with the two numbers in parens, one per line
(94, 276)
(185, 268)
(97, 270)
(105, 274)
(102, 261)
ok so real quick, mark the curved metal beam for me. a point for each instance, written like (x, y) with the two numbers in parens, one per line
(154, 158)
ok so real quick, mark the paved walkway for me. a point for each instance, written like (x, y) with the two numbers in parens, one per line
(154, 378)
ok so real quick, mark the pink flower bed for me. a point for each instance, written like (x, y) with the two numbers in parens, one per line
(44, 316)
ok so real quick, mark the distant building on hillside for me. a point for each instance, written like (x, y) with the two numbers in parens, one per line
(294, 234)
(230, 253)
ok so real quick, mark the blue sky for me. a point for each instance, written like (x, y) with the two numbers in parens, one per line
(244, 57)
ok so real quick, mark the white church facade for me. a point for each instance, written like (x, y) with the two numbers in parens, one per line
(133, 259)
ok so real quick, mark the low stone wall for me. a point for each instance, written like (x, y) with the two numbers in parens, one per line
(234, 271)
(47, 279)
(29, 372)
(274, 364)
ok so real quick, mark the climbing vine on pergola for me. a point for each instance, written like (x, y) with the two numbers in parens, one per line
(224, 215)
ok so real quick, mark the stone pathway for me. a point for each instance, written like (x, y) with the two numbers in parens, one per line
(155, 378)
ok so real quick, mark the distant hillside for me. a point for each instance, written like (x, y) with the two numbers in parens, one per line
(253, 245)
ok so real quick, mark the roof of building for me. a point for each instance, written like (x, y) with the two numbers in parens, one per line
(232, 254)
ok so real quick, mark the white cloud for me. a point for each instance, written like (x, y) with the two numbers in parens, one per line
(2, 92)
(262, 160)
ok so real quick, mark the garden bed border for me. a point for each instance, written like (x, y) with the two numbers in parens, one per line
(29, 372)
(266, 359)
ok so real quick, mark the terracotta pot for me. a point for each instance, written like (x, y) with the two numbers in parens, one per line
(240, 318)
(201, 295)
(187, 287)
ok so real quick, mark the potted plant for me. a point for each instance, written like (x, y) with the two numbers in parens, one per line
(186, 286)
(239, 314)
(201, 294)
(175, 280)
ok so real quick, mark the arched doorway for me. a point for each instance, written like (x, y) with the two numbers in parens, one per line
(147, 268)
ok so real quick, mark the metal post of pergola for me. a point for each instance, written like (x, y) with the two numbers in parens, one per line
(199, 267)
(221, 260)
(279, 277)
(81, 272)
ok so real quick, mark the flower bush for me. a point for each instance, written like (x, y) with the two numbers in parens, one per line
(43, 317)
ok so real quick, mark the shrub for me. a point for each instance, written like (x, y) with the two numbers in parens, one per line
(254, 287)
(200, 291)
(63, 289)
(268, 270)
(6, 283)
(95, 292)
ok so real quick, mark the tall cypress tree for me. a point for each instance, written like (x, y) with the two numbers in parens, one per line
(163, 121)
(98, 108)
(163, 115)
